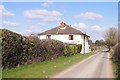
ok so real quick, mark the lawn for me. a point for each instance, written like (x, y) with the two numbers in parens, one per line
(44, 69)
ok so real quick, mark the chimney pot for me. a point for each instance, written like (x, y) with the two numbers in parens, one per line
(62, 24)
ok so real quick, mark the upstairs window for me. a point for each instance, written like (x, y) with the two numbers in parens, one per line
(48, 36)
(70, 37)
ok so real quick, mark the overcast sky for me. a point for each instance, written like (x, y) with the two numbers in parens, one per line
(35, 17)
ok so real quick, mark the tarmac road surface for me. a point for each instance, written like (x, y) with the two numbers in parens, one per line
(96, 66)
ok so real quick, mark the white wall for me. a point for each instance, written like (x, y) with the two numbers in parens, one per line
(87, 46)
(65, 38)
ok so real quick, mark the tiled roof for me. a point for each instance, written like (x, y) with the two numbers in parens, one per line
(66, 30)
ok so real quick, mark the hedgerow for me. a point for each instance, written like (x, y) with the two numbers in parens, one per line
(79, 48)
(20, 50)
(116, 59)
(71, 49)
(66, 50)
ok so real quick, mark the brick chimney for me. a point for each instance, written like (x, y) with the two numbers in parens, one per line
(62, 25)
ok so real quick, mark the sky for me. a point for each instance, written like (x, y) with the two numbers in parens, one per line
(35, 17)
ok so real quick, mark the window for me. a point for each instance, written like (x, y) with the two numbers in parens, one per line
(48, 36)
(70, 37)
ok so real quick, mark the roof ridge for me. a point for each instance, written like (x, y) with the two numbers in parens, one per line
(68, 30)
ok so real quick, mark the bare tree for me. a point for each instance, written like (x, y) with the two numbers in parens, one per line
(111, 36)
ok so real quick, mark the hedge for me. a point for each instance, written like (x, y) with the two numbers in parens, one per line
(11, 49)
(116, 59)
(66, 50)
(71, 49)
(79, 48)
(19, 50)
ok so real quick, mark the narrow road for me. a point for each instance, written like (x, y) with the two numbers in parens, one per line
(97, 66)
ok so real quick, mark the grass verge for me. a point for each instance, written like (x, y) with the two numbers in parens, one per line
(115, 68)
(0, 73)
(44, 69)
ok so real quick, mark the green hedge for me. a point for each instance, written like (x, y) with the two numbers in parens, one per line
(11, 49)
(66, 50)
(19, 50)
(71, 49)
(79, 48)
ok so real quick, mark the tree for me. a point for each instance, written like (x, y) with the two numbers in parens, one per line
(102, 42)
(111, 36)
(97, 42)
(90, 42)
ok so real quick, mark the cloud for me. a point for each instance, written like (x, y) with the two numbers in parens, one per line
(1, 27)
(96, 28)
(4, 12)
(47, 4)
(28, 31)
(33, 25)
(84, 27)
(9, 24)
(43, 15)
(96, 32)
(89, 16)
(80, 25)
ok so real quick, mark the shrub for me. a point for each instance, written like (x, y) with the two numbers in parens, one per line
(51, 49)
(116, 54)
(72, 49)
(79, 48)
(11, 49)
(116, 58)
(19, 50)
(66, 50)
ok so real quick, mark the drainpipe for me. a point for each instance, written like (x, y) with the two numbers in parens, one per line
(84, 43)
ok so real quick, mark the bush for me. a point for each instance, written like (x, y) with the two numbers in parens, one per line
(79, 48)
(116, 58)
(51, 49)
(116, 54)
(19, 50)
(71, 49)
(66, 50)
(11, 49)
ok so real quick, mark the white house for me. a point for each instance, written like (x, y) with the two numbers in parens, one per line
(67, 34)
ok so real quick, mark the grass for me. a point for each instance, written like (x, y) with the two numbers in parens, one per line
(0, 73)
(115, 68)
(113, 63)
(44, 69)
